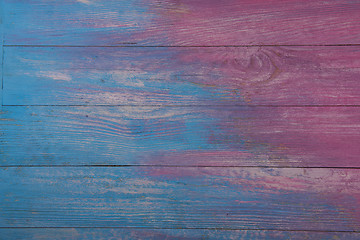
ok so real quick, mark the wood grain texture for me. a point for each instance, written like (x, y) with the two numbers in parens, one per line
(186, 22)
(195, 136)
(233, 119)
(221, 198)
(155, 234)
(178, 76)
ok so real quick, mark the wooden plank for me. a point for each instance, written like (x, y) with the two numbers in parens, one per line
(144, 22)
(177, 76)
(116, 233)
(175, 197)
(186, 136)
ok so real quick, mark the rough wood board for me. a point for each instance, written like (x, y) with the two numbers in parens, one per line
(155, 234)
(196, 136)
(187, 22)
(168, 197)
(178, 76)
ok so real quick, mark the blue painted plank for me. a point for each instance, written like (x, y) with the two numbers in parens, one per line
(178, 76)
(181, 198)
(200, 136)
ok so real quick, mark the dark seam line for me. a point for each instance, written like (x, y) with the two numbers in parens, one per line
(173, 105)
(133, 45)
(164, 228)
(160, 165)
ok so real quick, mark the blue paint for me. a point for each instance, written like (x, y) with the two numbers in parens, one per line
(104, 76)
(138, 197)
(103, 135)
(115, 20)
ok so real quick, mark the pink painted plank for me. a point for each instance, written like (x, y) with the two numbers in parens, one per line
(277, 136)
(187, 22)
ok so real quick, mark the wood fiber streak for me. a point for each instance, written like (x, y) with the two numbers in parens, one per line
(155, 234)
(178, 76)
(185, 136)
(187, 22)
(225, 198)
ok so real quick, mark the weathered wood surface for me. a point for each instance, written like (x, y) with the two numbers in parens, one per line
(196, 154)
(168, 197)
(188, 22)
(196, 136)
(177, 76)
(156, 234)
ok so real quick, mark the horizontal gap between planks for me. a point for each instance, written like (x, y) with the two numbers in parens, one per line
(160, 165)
(174, 105)
(131, 45)
(222, 229)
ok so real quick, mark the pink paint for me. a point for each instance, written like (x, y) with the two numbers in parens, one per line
(232, 22)
(278, 75)
(333, 186)
(275, 75)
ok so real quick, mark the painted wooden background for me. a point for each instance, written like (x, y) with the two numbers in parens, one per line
(180, 119)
